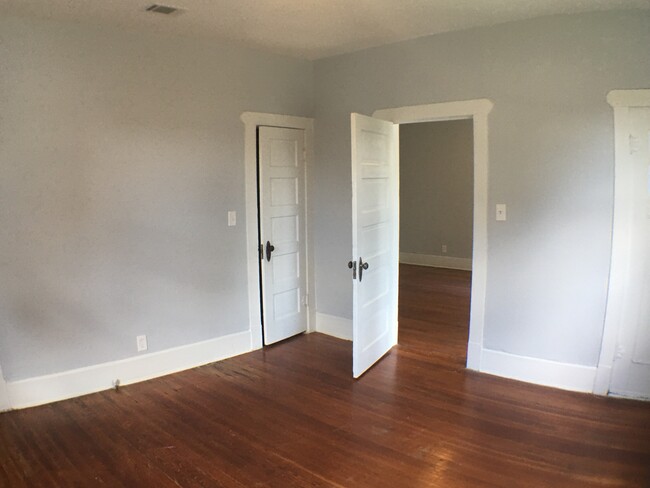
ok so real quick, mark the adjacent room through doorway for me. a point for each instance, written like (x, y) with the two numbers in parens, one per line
(436, 237)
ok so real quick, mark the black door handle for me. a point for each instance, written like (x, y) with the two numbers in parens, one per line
(362, 266)
(269, 249)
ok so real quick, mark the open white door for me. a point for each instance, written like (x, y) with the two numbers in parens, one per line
(375, 239)
(282, 232)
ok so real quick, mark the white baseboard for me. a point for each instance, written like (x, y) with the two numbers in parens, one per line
(602, 380)
(435, 261)
(68, 384)
(334, 326)
(566, 376)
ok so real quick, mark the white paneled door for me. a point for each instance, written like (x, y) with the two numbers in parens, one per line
(282, 232)
(375, 239)
(631, 370)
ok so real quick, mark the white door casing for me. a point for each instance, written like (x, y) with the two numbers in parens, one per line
(375, 239)
(4, 396)
(253, 120)
(624, 365)
(282, 235)
(478, 111)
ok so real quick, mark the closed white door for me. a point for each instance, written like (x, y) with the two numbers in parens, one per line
(282, 232)
(375, 239)
(631, 370)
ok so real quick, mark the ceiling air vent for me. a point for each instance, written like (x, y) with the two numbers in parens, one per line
(163, 9)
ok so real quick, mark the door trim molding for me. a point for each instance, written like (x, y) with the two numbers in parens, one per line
(478, 111)
(621, 101)
(251, 121)
(4, 395)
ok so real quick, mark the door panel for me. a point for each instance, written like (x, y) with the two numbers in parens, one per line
(631, 373)
(281, 187)
(375, 234)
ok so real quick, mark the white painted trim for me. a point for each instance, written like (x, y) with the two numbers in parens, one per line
(77, 382)
(4, 395)
(335, 326)
(629, 98)
(602, 380)
(566, 376)
(478, 111)
(435, 261)
(621, 101)
(474, 353)
(251, 121)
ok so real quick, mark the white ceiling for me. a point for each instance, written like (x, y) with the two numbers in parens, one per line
(309, 29)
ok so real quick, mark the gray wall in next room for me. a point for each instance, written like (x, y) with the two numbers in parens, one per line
(436, 170)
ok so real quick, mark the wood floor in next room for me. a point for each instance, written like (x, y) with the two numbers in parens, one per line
(292, 416)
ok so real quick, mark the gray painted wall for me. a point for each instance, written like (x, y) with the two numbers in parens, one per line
(436, 171)
(551, 161)
(121, 154)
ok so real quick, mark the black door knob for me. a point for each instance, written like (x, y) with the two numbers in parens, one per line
(269, 249)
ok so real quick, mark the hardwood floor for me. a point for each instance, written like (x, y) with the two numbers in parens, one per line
(292, 416)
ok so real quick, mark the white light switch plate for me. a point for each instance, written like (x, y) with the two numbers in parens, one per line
(141, 340)
(232, 218)
(501, 211)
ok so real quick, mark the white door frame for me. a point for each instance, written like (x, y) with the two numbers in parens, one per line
(4, 395)
(251, 121)
(478, 111)
(621, 101)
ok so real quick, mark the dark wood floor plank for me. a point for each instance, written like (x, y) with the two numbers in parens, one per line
(291, 415)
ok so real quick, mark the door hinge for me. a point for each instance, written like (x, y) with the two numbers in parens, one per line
(305, 300)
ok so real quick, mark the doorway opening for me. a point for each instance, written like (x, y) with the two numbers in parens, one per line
(477, 111)
(436, 166)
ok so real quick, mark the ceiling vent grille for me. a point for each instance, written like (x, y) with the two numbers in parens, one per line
(162, 9)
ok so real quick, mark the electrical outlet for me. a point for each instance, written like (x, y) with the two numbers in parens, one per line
(444, 248)
(141, 341)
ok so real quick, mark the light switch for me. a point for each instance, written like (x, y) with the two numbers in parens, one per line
(232, 218)
(501, 211)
